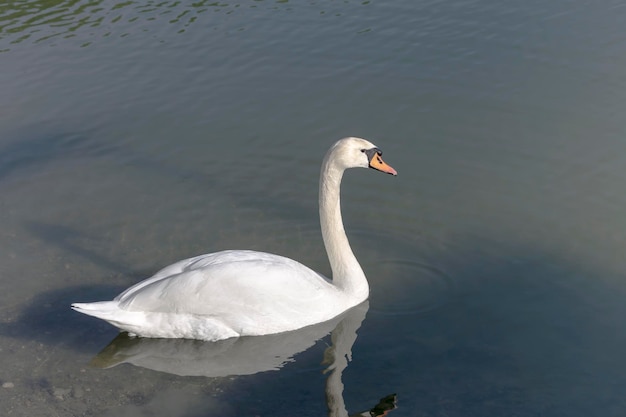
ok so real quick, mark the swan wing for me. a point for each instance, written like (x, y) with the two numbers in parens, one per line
(250, 292)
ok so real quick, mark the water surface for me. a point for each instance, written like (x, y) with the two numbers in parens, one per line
(137, 133)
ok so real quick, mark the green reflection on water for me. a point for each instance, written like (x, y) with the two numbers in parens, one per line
(41, 20)
(87, 20)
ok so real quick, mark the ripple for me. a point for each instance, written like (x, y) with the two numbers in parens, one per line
(402, 283)
(43, 20)
(87, 20)
(401, 287)
(402, 278)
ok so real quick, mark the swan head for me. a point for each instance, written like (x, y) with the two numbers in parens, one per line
(358, 153)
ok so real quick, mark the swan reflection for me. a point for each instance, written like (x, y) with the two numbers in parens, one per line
(249, 355)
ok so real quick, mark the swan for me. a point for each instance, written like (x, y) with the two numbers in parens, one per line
(236, 293)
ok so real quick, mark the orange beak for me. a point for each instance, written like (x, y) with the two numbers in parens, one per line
(377, 163)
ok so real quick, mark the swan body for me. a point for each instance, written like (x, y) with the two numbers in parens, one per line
(247, 293)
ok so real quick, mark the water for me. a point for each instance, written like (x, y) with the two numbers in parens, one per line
(134, 134)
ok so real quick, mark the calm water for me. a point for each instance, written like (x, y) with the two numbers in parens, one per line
(137, 133)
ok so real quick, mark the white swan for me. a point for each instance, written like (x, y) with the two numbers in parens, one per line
(246, 293)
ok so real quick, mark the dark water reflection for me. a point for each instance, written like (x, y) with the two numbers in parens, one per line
(527, 334)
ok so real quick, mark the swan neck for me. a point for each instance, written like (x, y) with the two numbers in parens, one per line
(348, 275)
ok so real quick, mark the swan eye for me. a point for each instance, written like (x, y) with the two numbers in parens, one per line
(372, 153)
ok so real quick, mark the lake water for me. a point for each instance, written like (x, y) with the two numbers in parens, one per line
(136, 133)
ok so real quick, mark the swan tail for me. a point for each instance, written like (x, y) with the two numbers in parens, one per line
(110, 312)
(100, 309)
(157, 324)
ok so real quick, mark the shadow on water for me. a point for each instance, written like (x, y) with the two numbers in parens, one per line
(38, 150)
(69, 240)
(48, 319)
(30, 149)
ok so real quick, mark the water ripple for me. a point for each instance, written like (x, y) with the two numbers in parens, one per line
(45, 19)
(410, 287)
